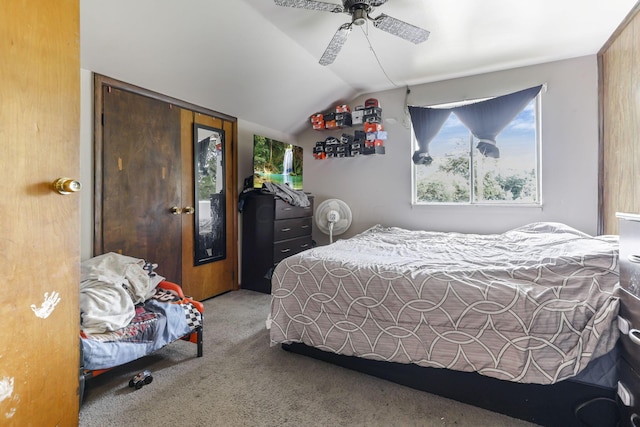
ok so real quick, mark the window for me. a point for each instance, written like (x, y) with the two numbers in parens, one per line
(455, 165)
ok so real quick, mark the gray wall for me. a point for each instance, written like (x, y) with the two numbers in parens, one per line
(378, 188)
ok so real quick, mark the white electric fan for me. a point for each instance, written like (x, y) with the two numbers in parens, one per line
(333, 217)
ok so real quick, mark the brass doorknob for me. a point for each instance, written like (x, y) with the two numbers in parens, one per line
(176, 210)
(188, 210)
(66, 186)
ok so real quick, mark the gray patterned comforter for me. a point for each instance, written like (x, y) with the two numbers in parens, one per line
(532, 305)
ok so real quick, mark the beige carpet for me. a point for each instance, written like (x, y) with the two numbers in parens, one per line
(242, 381)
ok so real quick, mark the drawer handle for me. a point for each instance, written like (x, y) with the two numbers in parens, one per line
(634, 258)
(286, 209)
(285, 229)
(284, 251)
(304, 246)
(634, 336)
(304, 226)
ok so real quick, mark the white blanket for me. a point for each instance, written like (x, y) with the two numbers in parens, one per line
(110, 287)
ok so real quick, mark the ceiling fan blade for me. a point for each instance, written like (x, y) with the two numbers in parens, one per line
(376, 3)
(311, 4)
(401, 29)
(335, 44)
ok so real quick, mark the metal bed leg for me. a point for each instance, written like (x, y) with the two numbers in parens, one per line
(199, 341)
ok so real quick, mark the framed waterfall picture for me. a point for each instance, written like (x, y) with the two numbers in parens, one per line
(276, 162)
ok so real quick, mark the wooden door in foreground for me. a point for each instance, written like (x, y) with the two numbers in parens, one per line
(39, 228)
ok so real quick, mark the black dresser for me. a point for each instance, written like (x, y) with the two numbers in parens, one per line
(272, 230)
(629, 320)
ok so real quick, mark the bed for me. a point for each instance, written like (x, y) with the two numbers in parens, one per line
(529, 314)
(128, 311)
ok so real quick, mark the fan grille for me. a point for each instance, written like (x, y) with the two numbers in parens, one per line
(333, 217)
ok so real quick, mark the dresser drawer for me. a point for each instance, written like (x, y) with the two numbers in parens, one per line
(630, 254)
(284, 210)
(289, 228)
(286, 248)
(628, 395)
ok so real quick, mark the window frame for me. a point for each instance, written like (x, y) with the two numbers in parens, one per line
(471, 183)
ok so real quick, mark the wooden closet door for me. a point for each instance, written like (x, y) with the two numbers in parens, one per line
(39, 228)
(144, 167)
(213, 278)
(620, 124)
(141, 180)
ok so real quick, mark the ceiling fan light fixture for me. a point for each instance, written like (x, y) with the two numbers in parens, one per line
(359, 17)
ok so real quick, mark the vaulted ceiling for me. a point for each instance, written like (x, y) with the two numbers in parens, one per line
(258, 61)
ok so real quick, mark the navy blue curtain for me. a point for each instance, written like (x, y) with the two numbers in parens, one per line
(426, 125)
(486, 119)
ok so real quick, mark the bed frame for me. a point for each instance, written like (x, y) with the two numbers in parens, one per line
(195, 337)
(563, 404)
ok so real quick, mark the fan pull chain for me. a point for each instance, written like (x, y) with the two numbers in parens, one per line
(366, 35)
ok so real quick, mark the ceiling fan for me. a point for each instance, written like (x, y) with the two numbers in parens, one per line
(359, 11)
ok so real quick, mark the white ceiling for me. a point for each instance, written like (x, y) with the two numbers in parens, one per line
(259, 62)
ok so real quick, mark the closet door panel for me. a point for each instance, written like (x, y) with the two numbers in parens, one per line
(141, 180)
(228, 269)
(212, 278)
